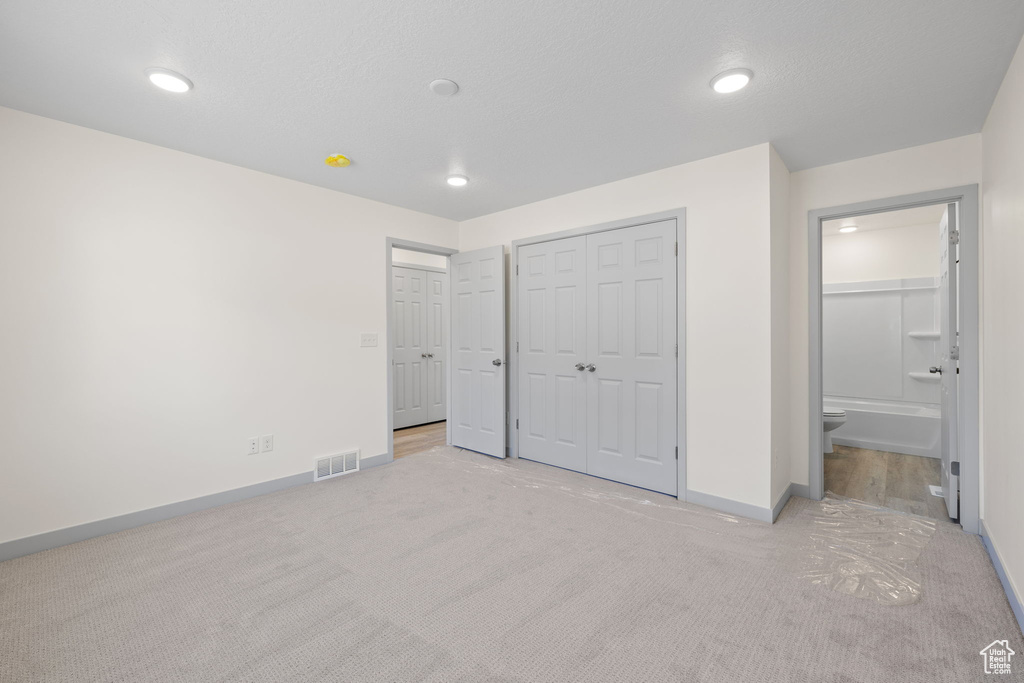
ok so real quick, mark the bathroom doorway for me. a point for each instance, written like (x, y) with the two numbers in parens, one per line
(892, 396)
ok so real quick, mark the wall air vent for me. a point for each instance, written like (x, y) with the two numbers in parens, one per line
(329, 466)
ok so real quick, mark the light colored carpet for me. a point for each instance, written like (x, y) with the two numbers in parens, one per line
(451, 566)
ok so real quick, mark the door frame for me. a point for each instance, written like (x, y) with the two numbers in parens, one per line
(409, 245)
(966, 197)
(513, 325)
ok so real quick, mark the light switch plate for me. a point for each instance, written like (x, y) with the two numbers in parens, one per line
(368, 339)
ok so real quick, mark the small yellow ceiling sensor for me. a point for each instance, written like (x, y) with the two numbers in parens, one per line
(337, 161)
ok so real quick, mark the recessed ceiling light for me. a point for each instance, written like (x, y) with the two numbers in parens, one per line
(457, 180)
(168, 80)
(848, 228)
(442, 86)
(732, 80)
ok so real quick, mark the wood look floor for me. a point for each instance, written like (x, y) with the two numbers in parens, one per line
(893, 480)
(419, 438)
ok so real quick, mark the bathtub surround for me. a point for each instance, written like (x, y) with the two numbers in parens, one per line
(878, 341)
(895, 427)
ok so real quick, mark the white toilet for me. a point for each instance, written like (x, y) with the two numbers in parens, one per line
(832, 418)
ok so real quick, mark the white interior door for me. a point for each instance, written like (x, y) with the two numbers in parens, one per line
(408, 306)
(948, 355)
(437, 345)
(631, 371)
(552, 296)
(478, 350)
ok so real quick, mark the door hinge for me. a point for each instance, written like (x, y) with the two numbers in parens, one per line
(677, 350)
(954, 468)
(677, 248)
(517, 347)
(517, 423)
(677, 452)
(506, 417)
(954, 352)
(517, 269)
(954, 237)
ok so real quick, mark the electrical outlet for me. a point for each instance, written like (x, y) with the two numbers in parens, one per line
(368, 339)
(267, 442)
(254, 445)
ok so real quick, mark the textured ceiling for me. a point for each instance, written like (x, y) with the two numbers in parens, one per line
(556, 96)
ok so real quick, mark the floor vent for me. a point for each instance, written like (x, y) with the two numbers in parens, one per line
(335, 465)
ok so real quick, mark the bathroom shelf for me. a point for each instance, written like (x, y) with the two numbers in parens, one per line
(925, 376)
(934, 336)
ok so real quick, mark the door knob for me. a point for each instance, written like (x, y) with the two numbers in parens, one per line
(430, 355)
(935, 369)
(591, 367)
(423, 355)
(496, 361)
(581, 367)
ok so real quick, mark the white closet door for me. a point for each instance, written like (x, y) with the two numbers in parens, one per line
(437, 344)
(408, 306)
(631, 333)
(552, 298)
(478, 350)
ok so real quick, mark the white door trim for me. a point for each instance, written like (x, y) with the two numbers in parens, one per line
(967, 286)
(409, 245)
(513, 355)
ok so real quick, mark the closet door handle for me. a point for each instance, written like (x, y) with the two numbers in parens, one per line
(591, 367)
(496, 361)
(581, 367)
(423, 355)
(430, 355)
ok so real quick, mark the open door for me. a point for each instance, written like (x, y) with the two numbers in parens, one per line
(478, 350)
(948, 356)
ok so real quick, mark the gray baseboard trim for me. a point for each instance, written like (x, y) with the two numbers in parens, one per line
(781, 502)
(81, 532)
(731, 507)
(375, 461)
(800, 490)
(1015, 600)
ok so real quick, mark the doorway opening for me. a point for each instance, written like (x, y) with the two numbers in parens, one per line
(418, 332)
(894, 354)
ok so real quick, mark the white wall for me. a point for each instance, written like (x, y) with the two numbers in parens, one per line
(728, 315)
(950, 163)
(891, 254)
(1003, 324)
(779, 214)
(160, 308)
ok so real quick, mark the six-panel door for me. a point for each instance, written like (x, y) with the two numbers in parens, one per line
(631, 337)
(408, 306)
(478, 350)
(552, 296)
(437, 345)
